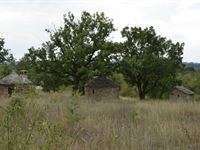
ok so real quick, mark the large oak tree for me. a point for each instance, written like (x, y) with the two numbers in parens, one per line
(149, 61)
(76, 52)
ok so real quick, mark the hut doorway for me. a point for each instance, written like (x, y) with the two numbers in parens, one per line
(10, 90)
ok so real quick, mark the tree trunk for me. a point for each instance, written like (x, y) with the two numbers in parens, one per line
(141, 92)
(141, 95)
(78, 88)
(74, 89)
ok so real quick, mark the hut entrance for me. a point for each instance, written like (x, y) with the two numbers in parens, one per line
(10, 90)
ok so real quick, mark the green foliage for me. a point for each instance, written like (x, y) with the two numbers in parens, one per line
(5, 69)
(191, 79)
(149, 60)
(87, 50)
(43, 70)
(7, 62)
(164, 87)
(5, 56)
(76, 52)
(125, 89)
(72, 111)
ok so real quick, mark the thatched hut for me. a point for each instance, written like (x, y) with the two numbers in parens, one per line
(181, 93)
(14, 83)
(101, 88)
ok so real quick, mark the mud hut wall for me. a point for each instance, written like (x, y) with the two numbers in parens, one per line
(22, 88)
(3, 91)
(179, 95)
(100, 93)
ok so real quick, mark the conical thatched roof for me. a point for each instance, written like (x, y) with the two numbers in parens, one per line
(14, 78)
(101, 82)
(184, 90)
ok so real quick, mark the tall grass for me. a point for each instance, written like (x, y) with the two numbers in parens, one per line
(60, 121)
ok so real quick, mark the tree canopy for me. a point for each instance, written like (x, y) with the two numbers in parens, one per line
(75, 53)
(7, 62)
(149, 61)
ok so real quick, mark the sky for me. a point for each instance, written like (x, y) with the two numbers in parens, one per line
(23, 22)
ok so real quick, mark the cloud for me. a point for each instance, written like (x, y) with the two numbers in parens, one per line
(23, 21)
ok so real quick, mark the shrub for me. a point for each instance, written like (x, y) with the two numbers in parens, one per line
(72, 111)
(125, 89)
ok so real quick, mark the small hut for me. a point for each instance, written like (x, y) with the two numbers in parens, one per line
(101, 88)
(181, 93)
(14, 83)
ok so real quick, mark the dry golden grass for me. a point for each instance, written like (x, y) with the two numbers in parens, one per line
(58, 121)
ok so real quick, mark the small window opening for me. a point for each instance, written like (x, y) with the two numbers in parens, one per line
(93, 91)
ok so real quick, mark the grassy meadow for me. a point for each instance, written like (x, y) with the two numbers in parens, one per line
(60, 121)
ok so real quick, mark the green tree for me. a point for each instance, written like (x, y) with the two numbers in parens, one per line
(7, 62)
(5, 56)
(76, 52)
(149, 61)
(43, 68)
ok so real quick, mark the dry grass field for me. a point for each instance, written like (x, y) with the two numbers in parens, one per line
(60, 121)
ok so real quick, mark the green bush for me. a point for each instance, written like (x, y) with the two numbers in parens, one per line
(125, 89)
(191, 80)
(72, 111)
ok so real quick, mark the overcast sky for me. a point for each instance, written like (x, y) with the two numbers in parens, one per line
(23, 22)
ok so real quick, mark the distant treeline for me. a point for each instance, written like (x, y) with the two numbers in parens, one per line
(192, 65)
